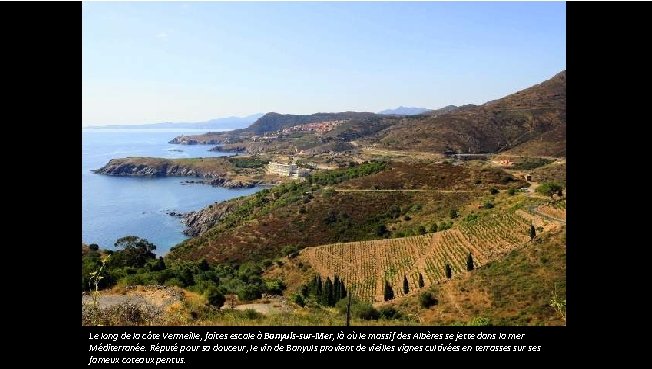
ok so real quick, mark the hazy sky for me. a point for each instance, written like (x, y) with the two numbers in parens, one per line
(152, 62)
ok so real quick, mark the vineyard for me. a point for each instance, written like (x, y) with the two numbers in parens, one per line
(556, 209)
(365, 266)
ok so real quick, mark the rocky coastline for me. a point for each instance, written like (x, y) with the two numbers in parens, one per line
(165, 168)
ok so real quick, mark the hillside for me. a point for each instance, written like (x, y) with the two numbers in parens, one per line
(268, 123)
(530, 122)
(337, 206)
(365, 266)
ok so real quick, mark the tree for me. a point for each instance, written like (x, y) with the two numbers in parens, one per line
(493, 191)
(389, 292)
(421, 230)
(433, 228)
(203, 265)
(426, 300)
(158, 265)
(381, 230)
(337, 290)
(469, 263)
(421, 283)
(533, 232)
(406, 285)
(93, 247)
(549, 189)
(135, 251)
(448, 271)
(327, 297)
(454, 214)
(317, 286)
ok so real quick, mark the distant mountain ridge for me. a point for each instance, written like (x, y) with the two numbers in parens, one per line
(404, 110)
(218, 123)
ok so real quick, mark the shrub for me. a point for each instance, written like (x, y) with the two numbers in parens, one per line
(549, 189)
(298, 299)
(388, 312)
(454, 214)
(249, 292)
(479, 321)
(488, 205)
(511, 192)
(251, 314)
(274, 287)
(426, 300)
(493, 191)
(214, 297)
(365, 311)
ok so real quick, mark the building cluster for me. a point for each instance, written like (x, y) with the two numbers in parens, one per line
(319, 127)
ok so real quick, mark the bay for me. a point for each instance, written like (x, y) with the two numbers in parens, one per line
(113, 207)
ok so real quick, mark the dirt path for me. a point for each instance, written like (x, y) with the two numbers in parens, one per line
(533, 209)
(451, 297)
(275, 305)
(157, 296)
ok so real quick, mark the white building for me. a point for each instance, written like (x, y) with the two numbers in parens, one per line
(287, 170)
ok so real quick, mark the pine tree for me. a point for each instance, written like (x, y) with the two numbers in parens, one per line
(421, 283)
(533, 232)
(389, 293)
(328, 293)
(449, 271)
(469, 263)
(318, 286)
(337, 291)
(342, 288)
(406, 285)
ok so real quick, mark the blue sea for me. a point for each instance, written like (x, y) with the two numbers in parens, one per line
(113, 207)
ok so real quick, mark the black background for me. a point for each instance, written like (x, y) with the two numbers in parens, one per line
(41, 80)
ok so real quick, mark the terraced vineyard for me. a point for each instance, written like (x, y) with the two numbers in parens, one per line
(365, 265)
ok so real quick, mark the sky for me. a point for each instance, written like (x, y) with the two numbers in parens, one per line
(149, 62)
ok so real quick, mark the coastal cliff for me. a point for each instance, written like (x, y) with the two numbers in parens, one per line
(216, 171)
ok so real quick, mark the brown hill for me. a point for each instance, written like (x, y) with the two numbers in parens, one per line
(529, 122)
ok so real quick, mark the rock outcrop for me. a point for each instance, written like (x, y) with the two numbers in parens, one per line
(198, 222)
